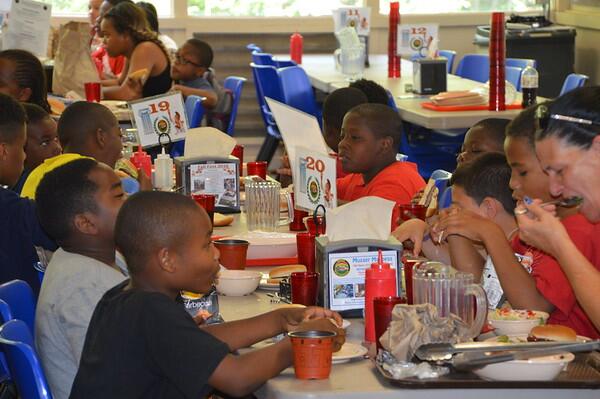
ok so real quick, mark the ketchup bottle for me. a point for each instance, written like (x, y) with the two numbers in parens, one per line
(141, 160)
(380, 280)
(296, 42)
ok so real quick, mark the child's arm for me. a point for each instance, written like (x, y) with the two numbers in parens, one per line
(243, 333)
(518, 286)
(417, 231)
(465, 257)
(210, 95)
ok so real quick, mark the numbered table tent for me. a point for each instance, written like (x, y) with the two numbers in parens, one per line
(315, 182)
(159, 116)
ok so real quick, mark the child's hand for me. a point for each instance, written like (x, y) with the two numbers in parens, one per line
(414, 230)
(144, 180)
(461, 222)
(325, 325)
(181, 88)
(293, 317)
(285, 168)
(539, 227)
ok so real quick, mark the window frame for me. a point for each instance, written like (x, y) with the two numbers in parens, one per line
(566, 14)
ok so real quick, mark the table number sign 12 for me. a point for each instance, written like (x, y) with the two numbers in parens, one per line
(162, 114)
(416, 39)
(316, 180)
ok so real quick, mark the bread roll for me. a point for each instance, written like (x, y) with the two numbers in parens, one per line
(141, 74)
(221, 220)
(285, 271)
(429, 198)
(552, 332)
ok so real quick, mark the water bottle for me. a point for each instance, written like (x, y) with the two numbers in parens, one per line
(296, 42)
(380, 280)
(529, 86)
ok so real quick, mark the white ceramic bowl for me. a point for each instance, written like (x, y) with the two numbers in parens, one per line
(537, 369)
(237, 282)
(516, 327)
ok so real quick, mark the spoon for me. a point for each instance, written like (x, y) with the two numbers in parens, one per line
(565, 203)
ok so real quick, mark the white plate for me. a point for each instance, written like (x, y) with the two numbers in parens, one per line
(537, 369)
(348, 352)
(269, 245)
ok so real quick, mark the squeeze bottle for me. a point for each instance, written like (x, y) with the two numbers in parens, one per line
(163, 171)
(380, 280)
(296, 42)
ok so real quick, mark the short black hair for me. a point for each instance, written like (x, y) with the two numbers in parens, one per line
(35, 113)
(582, 103)
(338, 103)
(80, 120)
(12, 118)
(381, 120)
(487, 176)
(29, 73)
(151, 14)
(375, 93)
(495, 130)
(159, 217)
(62, 194)
(115, 2)
(524, 126)
(202, 50)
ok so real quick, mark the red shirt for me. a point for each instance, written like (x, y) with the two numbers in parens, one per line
(398, 182)
(339, 170)
(552, 283)
(106, 64)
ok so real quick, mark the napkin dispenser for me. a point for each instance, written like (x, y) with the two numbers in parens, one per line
(218, 176)
(342, 266)
(429, 75)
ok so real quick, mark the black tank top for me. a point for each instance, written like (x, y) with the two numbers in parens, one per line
(158, 84)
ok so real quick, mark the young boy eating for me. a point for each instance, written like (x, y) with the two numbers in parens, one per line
(21, 230)
(485, 136)
(156, 348)
(42, 141)
(77, 204)
(370, 139)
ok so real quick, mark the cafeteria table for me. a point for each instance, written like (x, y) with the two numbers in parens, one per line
(321, 71)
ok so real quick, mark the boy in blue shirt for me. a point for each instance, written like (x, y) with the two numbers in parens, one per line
(20, 231)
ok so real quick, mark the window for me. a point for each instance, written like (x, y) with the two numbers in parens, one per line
(266, 8)
(449, 6)
(80, 7)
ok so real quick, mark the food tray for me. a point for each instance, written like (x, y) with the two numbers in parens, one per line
(456, 108)
(272, 262)
(582, 373)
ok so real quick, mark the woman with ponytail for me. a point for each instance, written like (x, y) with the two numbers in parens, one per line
(23, 78)
(126, 32)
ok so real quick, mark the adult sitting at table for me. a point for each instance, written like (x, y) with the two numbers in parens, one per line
(77, 205)
(126, 32)
(370, 139)
(568, 146)
(23, 78)
(109, 68)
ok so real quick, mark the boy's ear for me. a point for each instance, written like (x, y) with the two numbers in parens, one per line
(166, 260)
(85, 223)
(387, 143)
(596, 145)
(101, 138)
(489, 206)
(3, 151)
(24, 94)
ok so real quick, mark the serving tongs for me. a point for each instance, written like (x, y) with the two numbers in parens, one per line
(442, 352)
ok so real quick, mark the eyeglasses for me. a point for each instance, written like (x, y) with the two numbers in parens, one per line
(182, 61)
(543, 116)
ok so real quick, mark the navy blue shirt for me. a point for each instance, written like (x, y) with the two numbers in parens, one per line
(20, 231)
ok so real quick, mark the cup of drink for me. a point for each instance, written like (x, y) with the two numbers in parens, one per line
(305, 245)
(315, 227)
(312, 353)
(232, 253)
(382, 311)
(258, 168)
(238, 152)
(298, 223)
(412, 211)
(304, 288)
(206, 201)
(92, 91)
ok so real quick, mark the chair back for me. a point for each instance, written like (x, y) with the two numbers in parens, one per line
(475, 67)
(573, 81)
(391, 101)
(21, 301)
(235, 84)
(520, 62)
(450, 56)
(445, 199)
(25, 368)
(253, 47)
(513, 75)
(442, 178)
(262, 58)
(297, 90)
(194, 110)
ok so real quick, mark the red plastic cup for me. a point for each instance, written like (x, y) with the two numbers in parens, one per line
(304, 288)
(312, 354)
(382, 311)
(305, 244)
(206, 201)
(258, 168)
(92, 91)
(298, 223)
(232, 253)
(238, 152)
(412, 211)
(317, 228)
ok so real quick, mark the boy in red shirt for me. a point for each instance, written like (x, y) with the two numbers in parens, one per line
(370, 139)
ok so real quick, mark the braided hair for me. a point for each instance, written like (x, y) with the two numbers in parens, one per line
(128, 18)
(29, 73)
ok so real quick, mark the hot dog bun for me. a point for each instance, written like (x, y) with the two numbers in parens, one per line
(221, 220)
(141, 74)
(429, 198)
(125, 165)
(281, 272)
(552, 332)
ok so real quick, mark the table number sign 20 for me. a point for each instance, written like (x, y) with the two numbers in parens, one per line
(315, 183)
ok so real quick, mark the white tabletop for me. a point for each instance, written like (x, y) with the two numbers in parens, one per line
(323, 76)
(359, 378)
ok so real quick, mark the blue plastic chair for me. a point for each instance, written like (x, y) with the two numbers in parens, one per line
(445, 199)
(195, 112)
(235, 84)
(513, 75)
(391, 101)
(475, 67)
(450, 56)
(520, 62)
(25, 367)
(442, 178)
(573, 81)
(262, 58)
(283, 63)
(21, 301)
(253, 47)
(297, 90)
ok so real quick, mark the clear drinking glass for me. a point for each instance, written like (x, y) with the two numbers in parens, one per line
(351, 61)
(262, 206)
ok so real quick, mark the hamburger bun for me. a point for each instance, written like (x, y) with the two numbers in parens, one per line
(552, 332)
(124, 165)
(221, 220)
(279, 273)
(429, 198)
